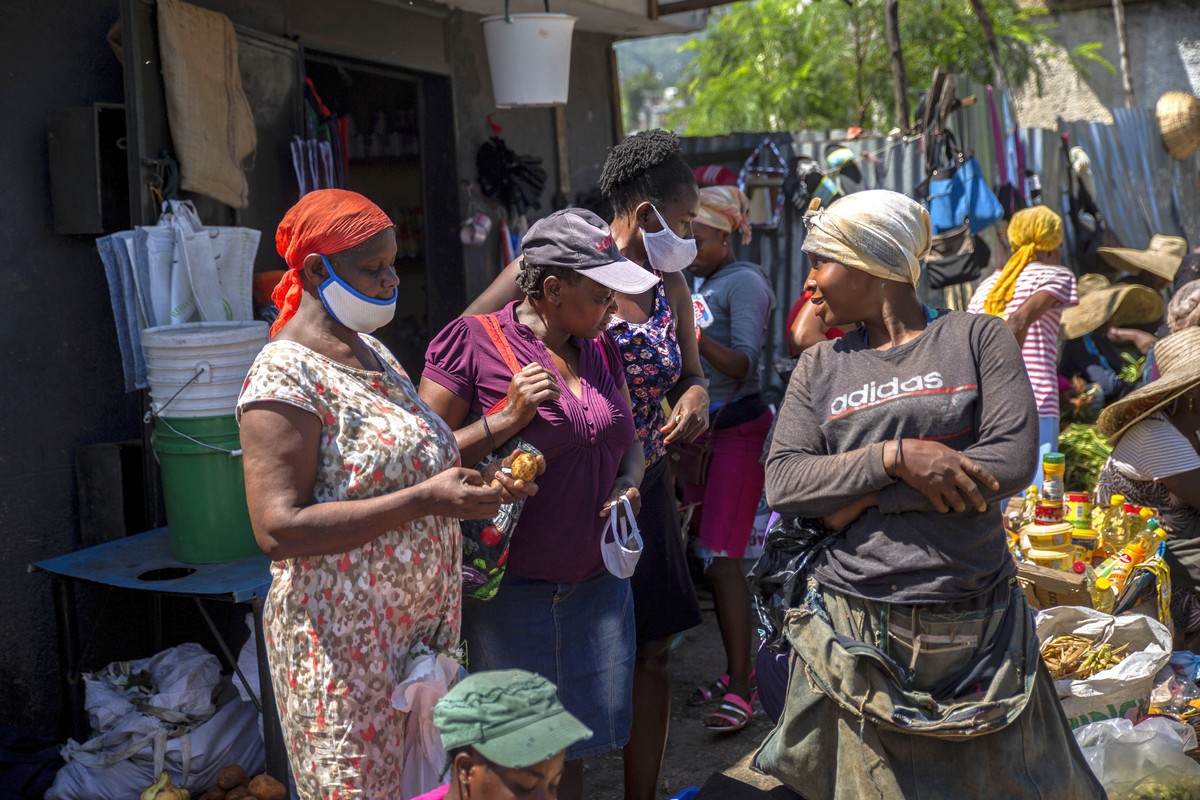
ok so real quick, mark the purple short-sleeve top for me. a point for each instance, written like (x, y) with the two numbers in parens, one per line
(583, 439)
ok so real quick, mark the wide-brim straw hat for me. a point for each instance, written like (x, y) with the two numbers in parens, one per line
(1179, 123)
(1178, 360)
(1099, 300)
(1161, 257)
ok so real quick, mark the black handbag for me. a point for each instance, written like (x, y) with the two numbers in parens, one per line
(778, 579)
(955, 257)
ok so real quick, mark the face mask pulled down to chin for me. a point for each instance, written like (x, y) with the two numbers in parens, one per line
(667, 251)
(352, 308)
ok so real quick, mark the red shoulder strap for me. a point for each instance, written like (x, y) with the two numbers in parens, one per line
(491, 326)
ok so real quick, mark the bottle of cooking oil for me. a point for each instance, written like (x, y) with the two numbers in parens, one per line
(1100, 588)
(1111, 524)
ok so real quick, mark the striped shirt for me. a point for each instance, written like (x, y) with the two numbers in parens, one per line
(1153, 449)
(1040, 349)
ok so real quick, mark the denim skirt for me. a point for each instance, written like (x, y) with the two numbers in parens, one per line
(578, 635)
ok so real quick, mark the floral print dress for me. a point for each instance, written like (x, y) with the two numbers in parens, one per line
(653, 365)
(342, 629)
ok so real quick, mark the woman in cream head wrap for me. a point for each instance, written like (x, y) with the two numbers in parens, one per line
(739, 298)
(1031, 292)
(911, 649)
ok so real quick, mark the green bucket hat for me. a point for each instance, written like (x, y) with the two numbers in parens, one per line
(511, 717)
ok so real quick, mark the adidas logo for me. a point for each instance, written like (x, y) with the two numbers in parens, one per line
(874, 391)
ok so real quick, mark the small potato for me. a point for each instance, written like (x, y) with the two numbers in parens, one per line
(264, 787)
(230, 776)
(215, 793)
(238, 793)
(524, 467)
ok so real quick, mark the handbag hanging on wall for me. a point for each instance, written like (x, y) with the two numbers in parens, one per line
(955, 257)
(956, 191)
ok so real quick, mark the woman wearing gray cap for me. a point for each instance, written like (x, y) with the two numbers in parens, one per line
(564, 608)
(506, 734)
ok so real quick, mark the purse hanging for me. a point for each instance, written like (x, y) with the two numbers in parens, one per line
(763, 185)
(956, 256)
(486, 541)
(690, 460)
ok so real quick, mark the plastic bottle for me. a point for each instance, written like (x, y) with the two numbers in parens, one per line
(1104, 598)
(1141, 544)
(1112, 528)
(1054, 467)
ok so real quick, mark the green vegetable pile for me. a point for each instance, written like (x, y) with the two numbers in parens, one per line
(1166, 784)
(1086, 451)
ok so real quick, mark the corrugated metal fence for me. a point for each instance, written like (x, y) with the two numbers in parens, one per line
(1140, 189)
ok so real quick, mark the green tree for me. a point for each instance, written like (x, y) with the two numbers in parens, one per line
(795, 64)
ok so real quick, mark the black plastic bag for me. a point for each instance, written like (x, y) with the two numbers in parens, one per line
(778, 578)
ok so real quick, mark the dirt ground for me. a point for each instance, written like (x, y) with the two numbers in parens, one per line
(693, 753)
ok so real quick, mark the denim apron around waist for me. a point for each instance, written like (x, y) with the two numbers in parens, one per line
(940, 701)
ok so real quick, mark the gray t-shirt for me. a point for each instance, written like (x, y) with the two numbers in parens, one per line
(962, 382)
(740, 299)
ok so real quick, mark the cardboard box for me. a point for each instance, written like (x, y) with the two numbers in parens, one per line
(1047, 588)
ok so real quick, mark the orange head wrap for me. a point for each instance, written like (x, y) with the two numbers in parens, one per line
(326, 221)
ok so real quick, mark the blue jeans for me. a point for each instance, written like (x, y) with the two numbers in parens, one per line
(580, 636)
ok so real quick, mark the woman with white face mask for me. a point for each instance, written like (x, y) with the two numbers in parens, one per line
(355, 495)
(654, 199)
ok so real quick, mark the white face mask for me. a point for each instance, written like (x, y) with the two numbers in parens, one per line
(623, 548)
(666, 251)
(352, 308)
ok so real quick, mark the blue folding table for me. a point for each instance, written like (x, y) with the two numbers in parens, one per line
(144, 563)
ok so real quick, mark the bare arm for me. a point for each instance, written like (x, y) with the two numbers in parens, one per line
(807, 329)
(1029, 312)
(1142, 340)
(1185, 486)
(630, 473)
(502, 291)
(689, 397)
(281, 445)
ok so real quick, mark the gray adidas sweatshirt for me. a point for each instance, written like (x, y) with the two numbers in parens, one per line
(963, 383)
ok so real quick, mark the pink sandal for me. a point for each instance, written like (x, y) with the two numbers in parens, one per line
(732, 715)
(706, 694)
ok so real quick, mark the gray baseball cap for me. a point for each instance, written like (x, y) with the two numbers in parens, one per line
(575, 238)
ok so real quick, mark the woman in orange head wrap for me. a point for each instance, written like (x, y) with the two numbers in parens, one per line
(354, 492)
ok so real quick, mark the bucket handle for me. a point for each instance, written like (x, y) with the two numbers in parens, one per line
(201, 369)
(508, 19)
(231, 453)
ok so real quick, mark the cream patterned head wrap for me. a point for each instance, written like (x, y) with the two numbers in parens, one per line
(725, 208)
(883, 233)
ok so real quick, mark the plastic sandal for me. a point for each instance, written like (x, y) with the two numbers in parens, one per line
(706, 694)
(734, 712)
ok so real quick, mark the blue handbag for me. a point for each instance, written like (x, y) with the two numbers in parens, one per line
(957, 192)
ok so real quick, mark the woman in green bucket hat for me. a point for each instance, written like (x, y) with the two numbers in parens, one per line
(506, 734)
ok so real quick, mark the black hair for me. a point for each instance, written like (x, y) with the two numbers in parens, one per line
(532, 277)
(1189, 270)
(646, 166)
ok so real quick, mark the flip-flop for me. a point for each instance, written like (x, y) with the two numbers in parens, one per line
(735, 712)
(706, 694)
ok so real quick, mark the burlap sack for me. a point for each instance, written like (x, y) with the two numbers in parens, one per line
(212, 124)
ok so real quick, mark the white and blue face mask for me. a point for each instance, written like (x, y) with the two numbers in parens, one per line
(352, 308)
(667, 251)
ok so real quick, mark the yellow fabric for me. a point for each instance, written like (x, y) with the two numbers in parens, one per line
(1031, 230)
(725, 208)
(883, 233)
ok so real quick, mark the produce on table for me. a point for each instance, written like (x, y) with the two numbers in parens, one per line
(1079, 658)
(231, 776)
(1170, 786)
(264, 787)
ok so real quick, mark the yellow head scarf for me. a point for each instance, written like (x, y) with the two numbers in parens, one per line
(725, 208)
(1031, 230)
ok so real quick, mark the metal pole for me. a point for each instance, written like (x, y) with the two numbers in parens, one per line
(68, 658)
(1123, 52)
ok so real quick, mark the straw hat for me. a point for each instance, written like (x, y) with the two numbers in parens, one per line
(1099, 300)
(1178, 359)
(1179, 123)
(1162, 257)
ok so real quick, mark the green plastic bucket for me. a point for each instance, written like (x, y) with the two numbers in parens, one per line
(203, 488)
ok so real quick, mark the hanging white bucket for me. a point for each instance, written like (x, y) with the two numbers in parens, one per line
(530, 58)
(197, 369)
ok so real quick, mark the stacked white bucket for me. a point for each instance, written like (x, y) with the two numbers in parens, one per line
(197, 369)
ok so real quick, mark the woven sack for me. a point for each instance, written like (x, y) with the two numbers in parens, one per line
(212, 125)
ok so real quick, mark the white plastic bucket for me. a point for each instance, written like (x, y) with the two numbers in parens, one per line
(530, 58)
(197, 369)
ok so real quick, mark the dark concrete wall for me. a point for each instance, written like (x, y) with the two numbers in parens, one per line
(62, 384)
